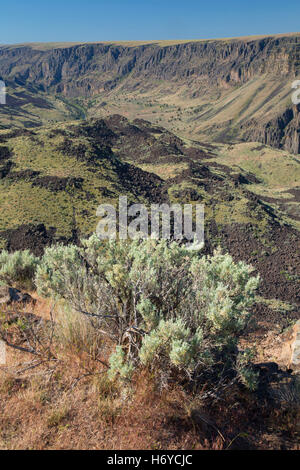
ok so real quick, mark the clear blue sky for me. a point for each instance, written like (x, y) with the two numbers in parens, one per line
(99, 20)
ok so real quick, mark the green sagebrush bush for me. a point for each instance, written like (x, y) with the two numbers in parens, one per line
(18, 269)
(165, 307)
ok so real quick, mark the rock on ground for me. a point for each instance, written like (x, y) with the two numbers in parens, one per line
(9, 295)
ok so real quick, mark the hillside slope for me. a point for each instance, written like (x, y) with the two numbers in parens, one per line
(219, 90)
(52, 179)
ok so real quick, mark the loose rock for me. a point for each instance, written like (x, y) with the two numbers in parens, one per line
(9, 295)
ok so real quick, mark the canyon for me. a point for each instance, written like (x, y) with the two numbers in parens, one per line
(215, 90)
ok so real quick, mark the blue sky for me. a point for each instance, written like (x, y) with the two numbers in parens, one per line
(98, 20)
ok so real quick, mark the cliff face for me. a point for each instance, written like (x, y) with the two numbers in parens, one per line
(292, 132)
(281, 132)
(83, 69)
(200, 68)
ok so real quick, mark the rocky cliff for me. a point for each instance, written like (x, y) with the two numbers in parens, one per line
(204, 74)
(283, 131)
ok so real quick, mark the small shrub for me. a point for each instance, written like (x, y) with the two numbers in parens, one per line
(246, 374)
(18, 269)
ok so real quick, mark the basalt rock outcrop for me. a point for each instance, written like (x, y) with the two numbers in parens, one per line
(84, 69)
(281, 132)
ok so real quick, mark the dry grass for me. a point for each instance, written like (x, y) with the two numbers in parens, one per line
(57, 45)
(67, 402)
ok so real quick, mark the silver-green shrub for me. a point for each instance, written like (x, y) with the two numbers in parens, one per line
(18, 269)
(165, 307)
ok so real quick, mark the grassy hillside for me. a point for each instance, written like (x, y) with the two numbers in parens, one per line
(199, 110)
(82, 165)
(51, 175)
(58, 175)
(278, 173)
(30, 107)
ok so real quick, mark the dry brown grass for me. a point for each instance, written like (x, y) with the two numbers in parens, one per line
(67, 402)
(61, 412)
